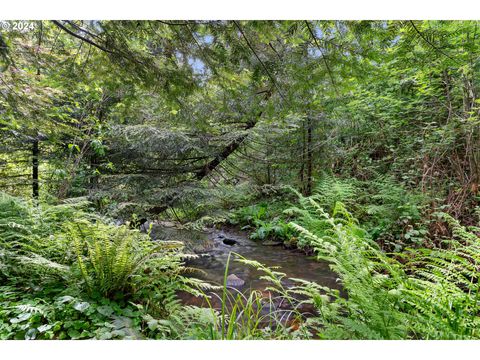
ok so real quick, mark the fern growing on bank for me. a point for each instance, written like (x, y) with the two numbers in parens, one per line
(444, 290)
(329, 190)
(56, 248)
(61, 250)
(435, 295)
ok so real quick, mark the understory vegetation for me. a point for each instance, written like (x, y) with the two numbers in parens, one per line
(69, 274)
(355, 144)
(394, 217)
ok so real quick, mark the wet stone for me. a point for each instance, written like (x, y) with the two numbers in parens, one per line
(228, 241)
(234, 280)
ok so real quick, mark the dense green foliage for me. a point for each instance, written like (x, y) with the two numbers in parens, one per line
(58, 261)
(431, 294)
(357, 142)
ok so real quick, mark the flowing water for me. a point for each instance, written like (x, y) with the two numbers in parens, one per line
(214, 245)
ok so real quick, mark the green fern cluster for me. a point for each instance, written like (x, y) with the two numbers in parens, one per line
(50, 250)
(330, 190)
(445, 288)
(107, 257)
(66, 246)
(434, 295)
(27, 226)
(15, 221)
(30, 247)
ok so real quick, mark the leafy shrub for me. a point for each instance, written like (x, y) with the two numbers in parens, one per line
(250, 215)
(276, 229)
(267, 221)
(50, 315)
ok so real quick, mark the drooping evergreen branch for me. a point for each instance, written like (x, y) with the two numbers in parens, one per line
(260, 60)
(436, 48)
(98, 46)
(322, 55)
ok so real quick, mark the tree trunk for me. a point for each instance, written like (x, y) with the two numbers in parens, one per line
(269, 165)
(304, 160)
(93, 181)
(308, 190)
(35, 150)
(35, 153)
(447, 86)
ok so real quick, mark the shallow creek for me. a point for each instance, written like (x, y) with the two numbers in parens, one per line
(214, 245)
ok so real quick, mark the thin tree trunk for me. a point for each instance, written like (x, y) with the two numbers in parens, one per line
(35, 153)
(95, 158)
(269, 170)
(308, 190)
(35, 150)
(304, 159)
(447, 82)
(93, 170)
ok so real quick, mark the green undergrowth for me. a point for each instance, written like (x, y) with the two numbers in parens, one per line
(420, 294)
(393, 216)
(55, 257)
(67, 273)
(264, 221)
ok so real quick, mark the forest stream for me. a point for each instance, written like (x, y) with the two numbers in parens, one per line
(214, 245)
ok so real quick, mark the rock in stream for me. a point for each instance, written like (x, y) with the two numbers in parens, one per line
(234, 280)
